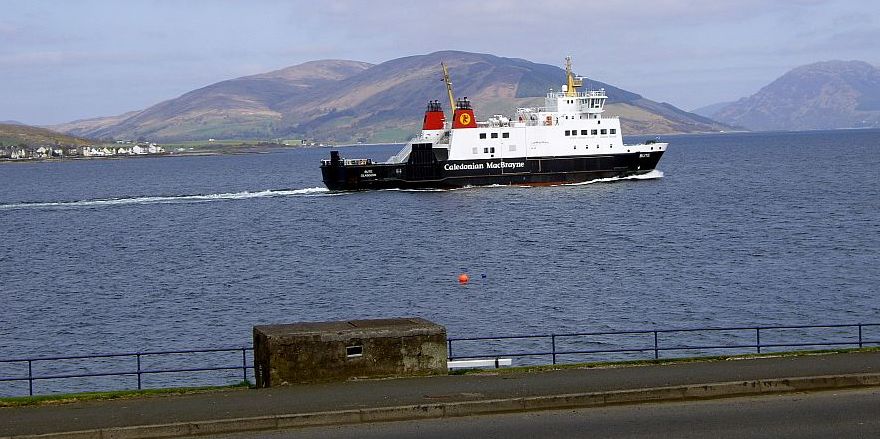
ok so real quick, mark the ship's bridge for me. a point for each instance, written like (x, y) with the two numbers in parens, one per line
(590, 102)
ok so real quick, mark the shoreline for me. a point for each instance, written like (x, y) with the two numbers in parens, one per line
(246, 150)
(243, 151)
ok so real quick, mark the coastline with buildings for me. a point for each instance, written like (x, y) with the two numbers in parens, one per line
(120, 148)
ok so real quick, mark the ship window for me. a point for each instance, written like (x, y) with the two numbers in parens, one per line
(594, 132)
(494, 135)
(475, 150)
(583, 132)
(505, 135)
(485, 150)
(613, 130)
(492, 150)
(513, 147)
(567, 132)
(482, 135)
(604, 131)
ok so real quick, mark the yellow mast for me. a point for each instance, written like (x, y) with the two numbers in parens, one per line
(572, 82)
(448, 87)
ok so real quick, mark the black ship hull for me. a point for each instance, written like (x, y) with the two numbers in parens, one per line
(425, 170)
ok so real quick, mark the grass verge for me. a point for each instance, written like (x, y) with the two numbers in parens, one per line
(21, 401)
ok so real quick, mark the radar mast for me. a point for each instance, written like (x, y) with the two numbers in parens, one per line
(573, 82)
(448, 83)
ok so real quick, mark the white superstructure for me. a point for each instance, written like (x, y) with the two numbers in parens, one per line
(570, 123)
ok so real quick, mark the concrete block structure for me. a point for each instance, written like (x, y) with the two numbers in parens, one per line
(337, 351)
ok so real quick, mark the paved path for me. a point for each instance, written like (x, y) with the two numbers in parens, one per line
(821, 415)
(368, 394)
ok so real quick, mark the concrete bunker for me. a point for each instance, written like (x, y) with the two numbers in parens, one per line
(311, 352)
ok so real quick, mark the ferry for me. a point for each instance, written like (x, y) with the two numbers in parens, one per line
(566, 141)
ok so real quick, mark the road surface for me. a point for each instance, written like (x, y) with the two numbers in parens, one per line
(832, 414)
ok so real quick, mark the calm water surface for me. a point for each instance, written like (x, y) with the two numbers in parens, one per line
(185, 252)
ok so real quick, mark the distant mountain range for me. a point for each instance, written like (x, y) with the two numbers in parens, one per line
(344, 101)
(710, 110)
(824, 95)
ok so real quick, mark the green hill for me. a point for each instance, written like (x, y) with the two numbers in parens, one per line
(24, 135)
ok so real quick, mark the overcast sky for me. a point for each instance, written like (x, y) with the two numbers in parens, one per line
(65, 60)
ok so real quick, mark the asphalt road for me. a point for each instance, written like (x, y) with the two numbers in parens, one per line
(837, 414)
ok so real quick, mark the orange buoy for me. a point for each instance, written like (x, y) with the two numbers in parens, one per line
(463, 278)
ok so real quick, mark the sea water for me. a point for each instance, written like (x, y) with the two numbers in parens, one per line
(189, 252)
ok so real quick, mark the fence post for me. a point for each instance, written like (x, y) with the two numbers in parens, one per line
(656, 347)
(139, 370)
(758, 339)
(553, 346)
(244, 364)
(30, 377)
(860, 335)
(449, 343)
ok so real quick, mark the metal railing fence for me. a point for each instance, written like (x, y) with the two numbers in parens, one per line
(135, 368)
(527, 349)
(733, 339)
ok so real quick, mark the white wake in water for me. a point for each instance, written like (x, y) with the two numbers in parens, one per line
(649, 176)
(174, 199)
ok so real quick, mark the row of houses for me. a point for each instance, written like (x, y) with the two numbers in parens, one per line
(43, 152)
(151, 148)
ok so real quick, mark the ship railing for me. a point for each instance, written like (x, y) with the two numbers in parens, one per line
(403, 154)
(531, 110)
(600, 93)
(349, 162)
(164, 369)
(357, 162)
